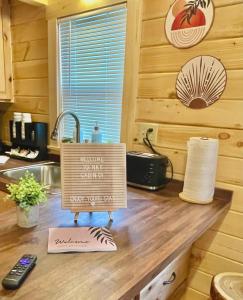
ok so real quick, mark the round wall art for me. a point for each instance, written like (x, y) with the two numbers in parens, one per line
(188, 22)
(201, 82)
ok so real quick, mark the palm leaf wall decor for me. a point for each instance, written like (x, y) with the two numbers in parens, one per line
(191, 8)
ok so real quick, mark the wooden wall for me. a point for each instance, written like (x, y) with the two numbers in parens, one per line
(30, 67)
(220, 249)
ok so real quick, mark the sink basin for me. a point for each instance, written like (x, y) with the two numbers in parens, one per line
(49, 174)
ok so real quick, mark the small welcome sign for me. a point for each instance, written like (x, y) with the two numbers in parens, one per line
(93, 177)
(82, 239)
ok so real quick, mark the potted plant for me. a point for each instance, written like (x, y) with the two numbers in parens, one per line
(28, 194)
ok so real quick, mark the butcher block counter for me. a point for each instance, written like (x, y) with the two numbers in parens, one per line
(155, 229)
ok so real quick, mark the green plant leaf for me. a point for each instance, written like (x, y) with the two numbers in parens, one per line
(27, 192)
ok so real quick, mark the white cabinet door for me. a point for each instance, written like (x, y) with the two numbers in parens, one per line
(166, 282)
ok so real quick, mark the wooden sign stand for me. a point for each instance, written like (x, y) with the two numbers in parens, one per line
(93, 178)
(76, 216)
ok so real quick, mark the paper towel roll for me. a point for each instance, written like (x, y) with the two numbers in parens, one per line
(201, 170)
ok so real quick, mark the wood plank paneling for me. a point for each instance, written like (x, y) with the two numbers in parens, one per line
(29, 37)
(35, 30)
(162, 85)
(192, 294)
(29, 104)
(131, 67)
(170, 59)
(15, 3)
(157, 85)
(26, 13)
(31, 50)
(222, 244)
(212, 263)
(31, 87)
(3, 75)
(200, 281)
(233, 166)
(220, 248)
(160, 8)
(176, 136)
(231, 224)
(31, 69)
(237, 200)
(6, 84)
(232, 16)
(226, 114)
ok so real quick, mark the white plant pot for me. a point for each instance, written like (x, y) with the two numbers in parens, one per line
(28, 219)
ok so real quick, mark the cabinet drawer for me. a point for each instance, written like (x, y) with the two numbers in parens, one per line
(166, 282)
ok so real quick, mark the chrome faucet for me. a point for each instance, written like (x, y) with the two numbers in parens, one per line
(58, 120)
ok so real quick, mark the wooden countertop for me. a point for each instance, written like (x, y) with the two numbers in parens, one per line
(149, 234)
(14, 163)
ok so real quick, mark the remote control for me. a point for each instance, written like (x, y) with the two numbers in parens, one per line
(19, 272)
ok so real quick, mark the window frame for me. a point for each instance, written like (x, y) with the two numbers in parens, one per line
(111, 20)
(131, 69)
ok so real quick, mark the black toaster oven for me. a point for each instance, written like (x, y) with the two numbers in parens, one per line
(146, 170)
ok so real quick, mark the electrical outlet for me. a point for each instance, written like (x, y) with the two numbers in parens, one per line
(142, 130)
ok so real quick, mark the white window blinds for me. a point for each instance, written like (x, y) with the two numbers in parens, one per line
(91, 70)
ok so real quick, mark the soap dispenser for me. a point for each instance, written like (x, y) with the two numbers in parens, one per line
(96, 135)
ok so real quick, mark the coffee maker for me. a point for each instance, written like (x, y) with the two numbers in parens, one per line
(29, 140)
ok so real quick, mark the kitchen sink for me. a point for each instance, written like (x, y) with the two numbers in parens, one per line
(49, 174)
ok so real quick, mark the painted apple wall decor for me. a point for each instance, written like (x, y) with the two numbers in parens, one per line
(201, 82)
(188, 22)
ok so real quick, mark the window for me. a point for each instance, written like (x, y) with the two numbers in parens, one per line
(91, 70)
